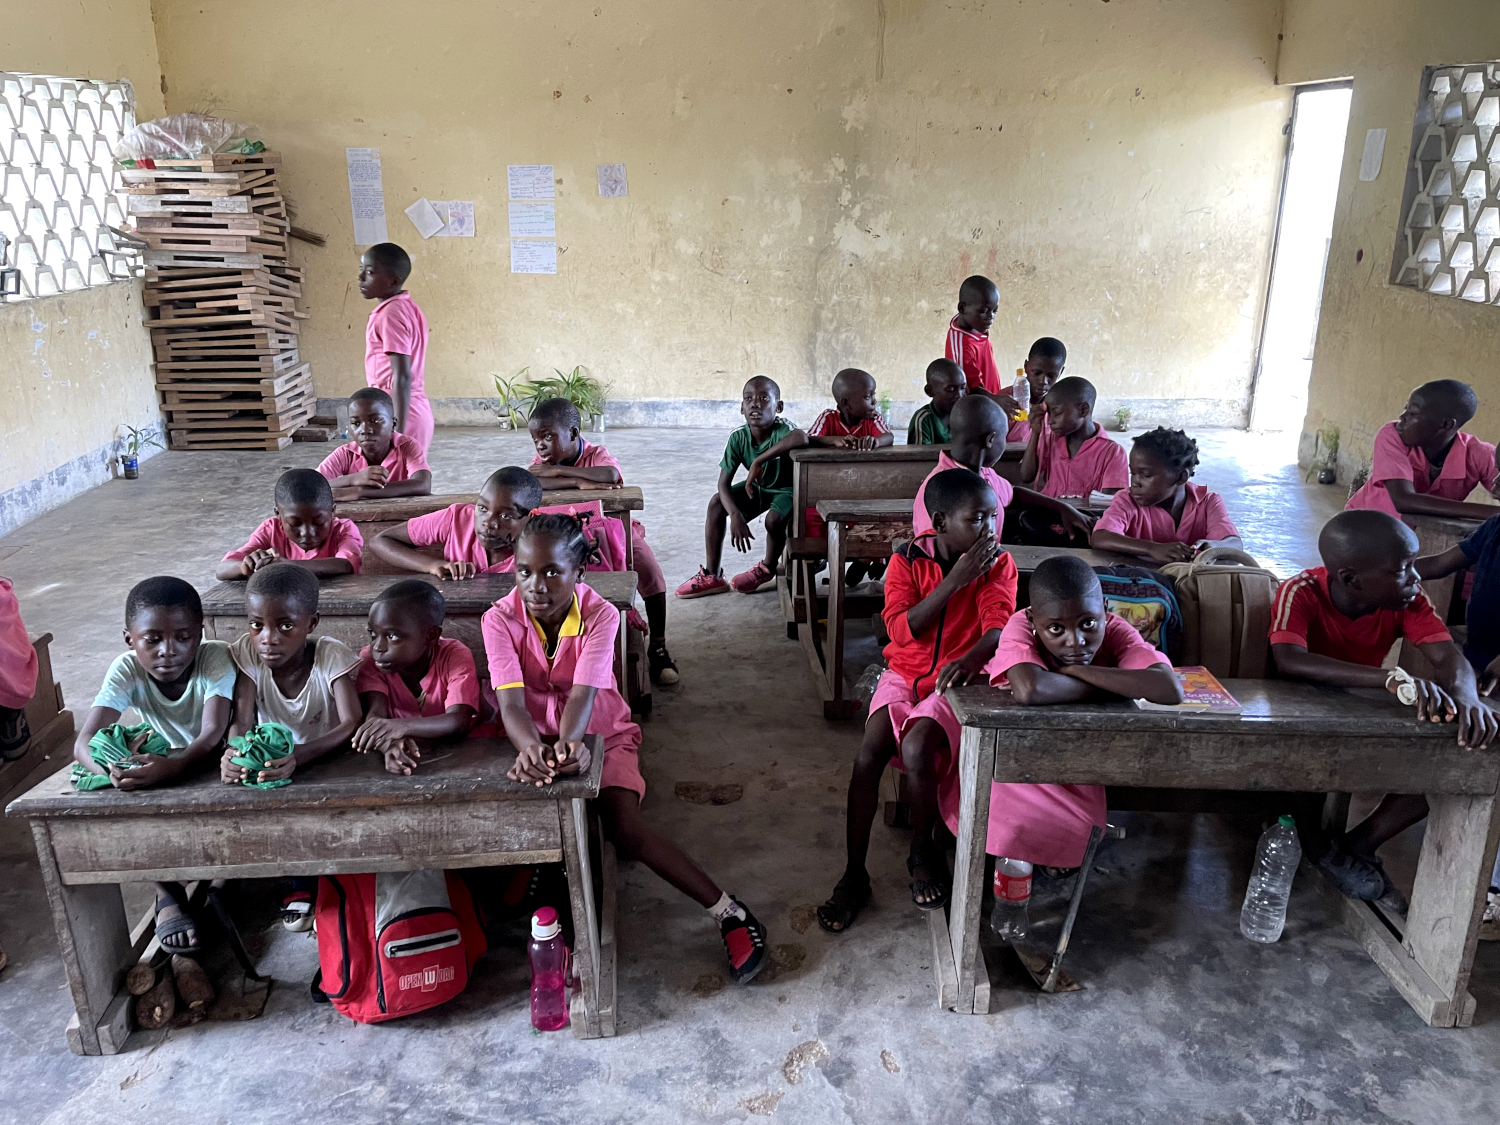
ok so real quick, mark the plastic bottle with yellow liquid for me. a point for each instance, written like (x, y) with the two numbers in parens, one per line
(1022, 394)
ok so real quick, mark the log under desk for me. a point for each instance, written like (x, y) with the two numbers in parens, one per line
(1293, 737)
(341, 816)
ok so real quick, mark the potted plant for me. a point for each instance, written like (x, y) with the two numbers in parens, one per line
(135, 441)
(1122, 419)
(512, 393)
(1325, 466)
(577, 386)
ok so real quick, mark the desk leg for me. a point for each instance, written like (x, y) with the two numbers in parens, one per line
(94, 940)
(976, 769)
(575, 838)
(836, 706)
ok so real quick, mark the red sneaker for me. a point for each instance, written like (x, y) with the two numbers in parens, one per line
(703, 584)
(756, 578)
(745, 942)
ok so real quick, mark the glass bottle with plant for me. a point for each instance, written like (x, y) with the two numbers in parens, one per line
(513, 393)
(1325, 459)
(1122, 419)
(135, 441)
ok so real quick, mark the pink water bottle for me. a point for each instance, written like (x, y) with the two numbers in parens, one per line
(549, 972)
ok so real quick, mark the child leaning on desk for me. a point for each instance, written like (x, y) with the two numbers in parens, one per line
(305, 530)
(1335, 624)
(475, 538)
(1163, 516)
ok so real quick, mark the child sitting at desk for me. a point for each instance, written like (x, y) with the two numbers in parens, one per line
(855, 422)
(304, 531)
(476, 538)
(1335, 624)
(416, 685)
(1163, 517)
(378, 462)
(180, 684)
(1068, 456)
(396, 340)
(945, 385)
(565, 460)
(551, 646)
(1065, 648)
(978, 426)
(948, 593)
(761, 445)
(1424, 463)
(1045, 363)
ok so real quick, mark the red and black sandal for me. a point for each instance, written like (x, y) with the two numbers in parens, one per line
(745, 942)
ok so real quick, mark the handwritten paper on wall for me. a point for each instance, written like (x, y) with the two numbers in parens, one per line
(530, 181)
(533, 255)
(533, 220)
(366, 195)
(533, 223)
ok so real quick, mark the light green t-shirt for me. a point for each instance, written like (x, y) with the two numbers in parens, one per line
(179, 721)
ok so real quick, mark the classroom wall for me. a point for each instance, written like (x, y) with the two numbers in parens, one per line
(1377, 341)
(75, 366)
(808, 184)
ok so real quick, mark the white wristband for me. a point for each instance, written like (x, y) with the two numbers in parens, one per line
(1405, 686)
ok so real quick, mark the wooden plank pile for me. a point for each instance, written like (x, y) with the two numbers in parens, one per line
(222, 300)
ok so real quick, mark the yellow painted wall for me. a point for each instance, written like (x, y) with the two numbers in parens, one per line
(1377, 341)
(73, 367)
(808, 181)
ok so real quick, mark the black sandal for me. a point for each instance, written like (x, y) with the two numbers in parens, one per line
(180, 923)
(843, 906)
(1060, 873)
(937, 888)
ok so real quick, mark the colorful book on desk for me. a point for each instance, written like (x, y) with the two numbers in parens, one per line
(1202, 694)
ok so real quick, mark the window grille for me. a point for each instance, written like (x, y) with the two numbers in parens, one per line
(58, 194)
(1450, 213)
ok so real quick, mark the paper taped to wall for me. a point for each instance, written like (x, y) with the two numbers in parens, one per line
(458, 217)
(530, 181)
(1369, 164)
(533, 220)
(532, 256)
(612, 184)
(366, 195)
(424, 217)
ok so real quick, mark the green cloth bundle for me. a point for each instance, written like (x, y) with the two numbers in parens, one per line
(111, 745)
(260, 745)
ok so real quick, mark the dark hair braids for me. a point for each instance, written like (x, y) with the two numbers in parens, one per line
(1172, 448)
(568, 531)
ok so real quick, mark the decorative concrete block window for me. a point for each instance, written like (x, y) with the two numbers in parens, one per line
(58, 197)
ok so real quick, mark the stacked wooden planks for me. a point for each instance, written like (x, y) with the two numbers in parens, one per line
(222, 300)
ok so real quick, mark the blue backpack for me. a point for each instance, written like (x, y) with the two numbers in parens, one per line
(1146, 599)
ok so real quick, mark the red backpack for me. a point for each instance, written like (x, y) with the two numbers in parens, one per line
(606, 533)
(395, 944)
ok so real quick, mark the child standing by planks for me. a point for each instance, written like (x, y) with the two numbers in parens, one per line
(379, 462)
(551, 645)
(305, 530)
(396, 340)
(565, 460)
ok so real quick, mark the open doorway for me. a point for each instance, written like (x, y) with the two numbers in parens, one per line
(1309, 191)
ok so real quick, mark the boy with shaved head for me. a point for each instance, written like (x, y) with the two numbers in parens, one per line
(968, 343)
(855, 421)
(396, 340)
(1424, 463)
(1334, 624)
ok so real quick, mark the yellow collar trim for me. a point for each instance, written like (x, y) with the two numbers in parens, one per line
(572, 625)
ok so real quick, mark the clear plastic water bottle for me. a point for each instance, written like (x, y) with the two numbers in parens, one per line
(1022, 394)
(549, 972)
(1012, 898)
(1276, 858)
(869, 680)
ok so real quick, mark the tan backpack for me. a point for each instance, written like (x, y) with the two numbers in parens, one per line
(1225, 596)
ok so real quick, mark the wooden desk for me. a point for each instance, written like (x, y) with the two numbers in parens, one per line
(1293, 737)
(344, 603)
(344, 815)
(375, 516)
(1436, 534)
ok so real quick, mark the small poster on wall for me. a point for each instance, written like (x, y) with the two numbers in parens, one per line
(366, 195)
(530, 255)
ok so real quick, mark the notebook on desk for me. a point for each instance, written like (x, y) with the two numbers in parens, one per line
(1202, 694)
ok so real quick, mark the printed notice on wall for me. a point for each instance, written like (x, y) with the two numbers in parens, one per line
(457, 216)
(366, 195)
(533, 220)
(612, 183)
(1369, 164)
(531, 181)
(533, 256)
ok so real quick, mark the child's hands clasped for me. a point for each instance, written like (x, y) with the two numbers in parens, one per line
(1171, 552)
(379, 735)
(257, 559)
(372, 476)
(277, 769)
(863, 444)
(141, 770)
(402, 756)
(539, 763)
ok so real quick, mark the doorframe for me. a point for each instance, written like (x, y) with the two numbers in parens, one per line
(1289, 131)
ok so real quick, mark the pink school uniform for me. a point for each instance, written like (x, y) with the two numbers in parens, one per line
(397, 326)
(1099, 464)
(451, 680)
(920, 518)
(405, 458)
(1203, 517)
(452, 528)
(1470, 461)
(1047, 824)
(344, 542)
(18, 665)
(647, 569)
(585, 655)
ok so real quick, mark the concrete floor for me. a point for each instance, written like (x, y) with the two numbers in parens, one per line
(1181, 1020)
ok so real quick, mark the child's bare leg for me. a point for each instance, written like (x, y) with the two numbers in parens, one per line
(1395, 814)
(713, 534)
(620, 809)
(919, 753)
(853, 889)
(776, 526)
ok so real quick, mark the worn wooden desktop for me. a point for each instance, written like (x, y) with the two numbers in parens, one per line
(1436, 534)
(1293, 737)
(375, 516)
(344, 815)
(866, 529)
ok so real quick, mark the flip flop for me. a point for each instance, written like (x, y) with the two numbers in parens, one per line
(843, 906)
(180, 923)
(937, 888)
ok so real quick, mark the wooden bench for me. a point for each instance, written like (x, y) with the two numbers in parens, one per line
(1293, 737)
(344, 603)
(866, 529)
(893, 473)
(341, 816)
(50, 721)
(375, 516)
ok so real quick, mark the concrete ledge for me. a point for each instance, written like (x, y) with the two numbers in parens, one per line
(35, 497)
